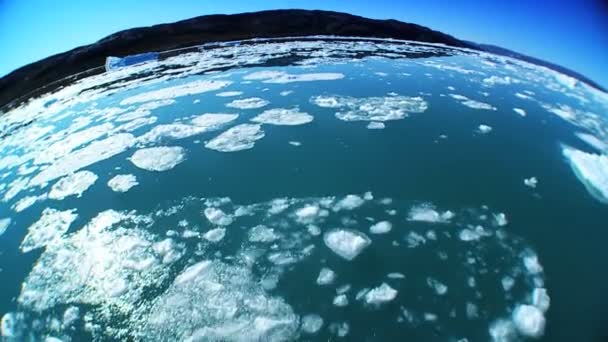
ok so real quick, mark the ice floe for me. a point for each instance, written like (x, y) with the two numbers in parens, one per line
(591, 169)
(381, 227)
(218, 217)
(349, 202)
(49, 228)
(4, 224)
(229, 93)
(283, 116)
(427, 213)
(519, 111)
(531, 182)
(191, 88)
(593, 141)
(340, 300)
(27, 201)
(74, 184)
(215, 235)
(346, 243)
(380, 295)
(529, 320)
(484, 129)
(262, 233)
(248, 103)
(375, 125)
(159, 159)
(472, 103)
(280, 77)
(311, 323)
(326, 276)
(237, 138)
(122, 183)
(372, 108)
(213, 121)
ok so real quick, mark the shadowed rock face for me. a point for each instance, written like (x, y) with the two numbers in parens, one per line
(210, 28)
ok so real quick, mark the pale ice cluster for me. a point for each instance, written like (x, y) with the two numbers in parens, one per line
(49, 228)
(375, 109)
(72, 185)
(4, 224)
(237, 138)
(248, 103)
(484, 129)
(346, 243)
(122, 183)
(427, 213)
(472, 103)
(283, 117)
(591, 169)
(158, 159)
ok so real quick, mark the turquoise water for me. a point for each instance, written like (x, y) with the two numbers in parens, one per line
(431, 159)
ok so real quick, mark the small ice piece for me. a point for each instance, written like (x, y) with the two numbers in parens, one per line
(396, 275)
(122, 183)
(73, 184)
(212, 121)
(237, 138)
(427, 213)
(346, 243)
(381, 294)
(531, 263)
(340, 300)
(192, 272)
(531, 182)
(440, 288)
(381, 227)
(10, 326)
(4, 224)
(349, 202)
(215, 235)
(430, 317)
(519, 111)
(343, 289)
(229, 93)
(502, 330)
(339, 329)
(484, 129)
(261, 233)
(248, 103)
(158, 159)
(295, 143)
(507, 283)
(529, 320)
(70, 316)
(500, 219)
(471, 311)
(50, 227)
(414, 239)
(311, 323)
(313, 230)
(307, 213)
(217, 217)
(283, 117)
(285, 92)
(326, 276)
(593, 141)
(591, 169)
(26, 202)
(541, 299)
(468, 235)
(376, 125)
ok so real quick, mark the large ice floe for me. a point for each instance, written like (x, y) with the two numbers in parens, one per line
(283, 117)
(130, 281)
(191, 88)
(376, 109)
(237, 138)
(248, 103)
(122, 183)
(73, 184)
(591, 169)
(161, 158)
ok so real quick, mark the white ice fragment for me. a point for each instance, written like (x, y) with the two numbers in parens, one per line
(261, 233)
(531, 263)
(503, 330)
(248, 103)
(468, 235)
(440, 288)
(349, 202)
(311, 323)
(529, 320)
(281, 77)
(326, 276)
(593, 141)
(191, 88)
(414, 239)
(396, 275)
(313, 230)
(427, 213)
(285, 92)
(27, 202)
(192, 272)
(472, 103)
(237, 138)
(376, 125)
(217, 217)
(70, 316)
(215, 235)
(541, 299)
(229, 93)
(295, 143)
(346, 243)
(531, 182)
(507, 283)
(484, 129)
(307, 213)
(122, 183)
(73, 184)
(381, 227)
(381, 294)
(158, 159)
(4, 224)
(519, 111)
(591, 170)
(212, 121)
(340, 300)
(49, 228)
(377, 109)
(283, 116)
(500, 219)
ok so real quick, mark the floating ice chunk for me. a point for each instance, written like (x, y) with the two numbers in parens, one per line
(326, 276)
(248, 103)
(507, 283)
(285, 92)
(261, 233)
(381, 227)
(74, 184)
(27, 202)
(349, 202)
(313, 230)
(217, 217)
(484, 129)
(340, 300)
(372, 108)
(472, 103)
(158, 159)
(281, 77)
(593, 141)
(541, 299)
(493, 80)
(339, 329)
(531, 263)
(396, 275)
(472, 311)
(591, 170)
(88, 155)
(122, 183)
(414, 240)
(283, 116)
(440, 288)
(529, 320)
(346, 243)
(427, 213)
(70, 316)
(307, 213)
(192, 272)
(376, 125)
(191, 88)
(49, 228)
(531, 182)
(11, 326)
(215, 235)
(381, 294)
(4, 224)
(295, 143)
(263, 75)
(237, 138)
(213, 121)
(171, 131)
(519, 111)
(468, 235)
(503, 330)
(500, 219)
(229, 93)
(311, 323)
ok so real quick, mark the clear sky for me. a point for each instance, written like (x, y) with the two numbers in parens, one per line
(572, 33)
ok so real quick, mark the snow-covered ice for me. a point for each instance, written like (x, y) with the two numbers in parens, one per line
(248, 103)
(326, 276)
(51, 225)
(346, 243)
(158, 159)
(283, 117)
(381, 294)
(529, 320)
(237, 138)
(381, 227)
(531, 182)
(73, 184)
(122, 183)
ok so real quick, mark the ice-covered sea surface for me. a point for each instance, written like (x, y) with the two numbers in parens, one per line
(311, 189)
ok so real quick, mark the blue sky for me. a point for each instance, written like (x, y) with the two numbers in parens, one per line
(573, 33)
